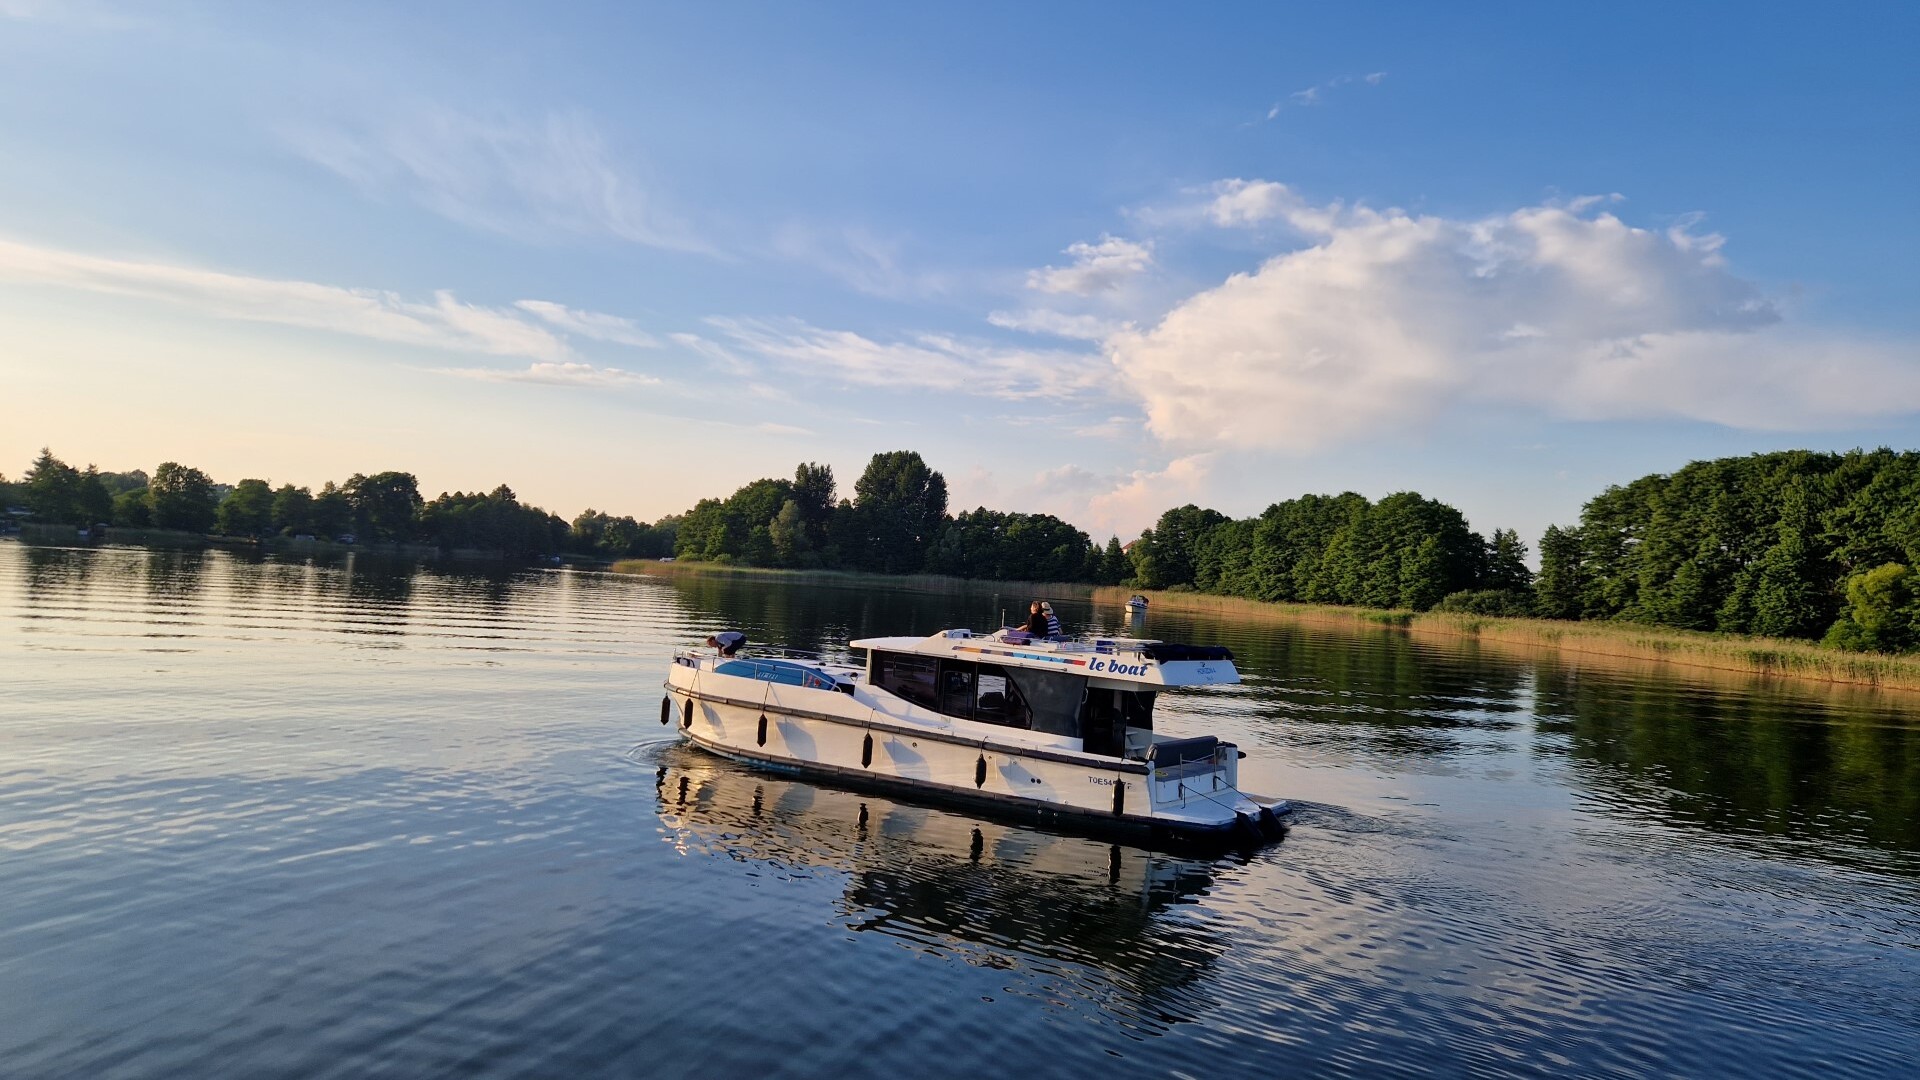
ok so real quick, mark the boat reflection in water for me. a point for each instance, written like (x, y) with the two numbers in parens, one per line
(1077, 922)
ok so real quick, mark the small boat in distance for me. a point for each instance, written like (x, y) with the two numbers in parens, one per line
(1136, 604)
(1052, 732)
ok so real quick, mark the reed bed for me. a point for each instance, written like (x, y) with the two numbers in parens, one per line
(1773, 657)
(854, 578)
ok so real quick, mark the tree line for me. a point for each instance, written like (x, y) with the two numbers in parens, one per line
(1793, 544)
(1796, 544)
(385, 508)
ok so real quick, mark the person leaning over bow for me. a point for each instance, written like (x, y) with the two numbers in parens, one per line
(1053, 621)
(1036, 620)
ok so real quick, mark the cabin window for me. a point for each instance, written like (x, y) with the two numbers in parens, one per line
(1052, 700)
(1108, 715)
(908, 677)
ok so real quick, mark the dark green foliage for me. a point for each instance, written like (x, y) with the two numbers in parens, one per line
(180, 497)
(1559, 590)
(1010, 547)
(495, 521)
(292, 511)
(131, 509)
(1764, 544)
(595, 533)
(247, 510)
(332, 512)
(53, 490)
(385, 505)
(1115, 567)
(899, 508)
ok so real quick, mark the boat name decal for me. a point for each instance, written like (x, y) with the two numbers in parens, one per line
(1114, 667)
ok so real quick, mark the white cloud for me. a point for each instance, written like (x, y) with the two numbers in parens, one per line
(443, 323)
(1388, 318)
(1097, 267)
(1055, 323)
(552, 374)
(923, 362)
(590, 324)
(1241, 203)
(1137, 500)
(533, 180)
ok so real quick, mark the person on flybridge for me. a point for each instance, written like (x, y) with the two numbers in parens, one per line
(1041, 621)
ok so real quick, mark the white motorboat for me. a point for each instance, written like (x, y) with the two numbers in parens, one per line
(1057, 732)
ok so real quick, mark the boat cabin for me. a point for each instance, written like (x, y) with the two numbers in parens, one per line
(1101, 693)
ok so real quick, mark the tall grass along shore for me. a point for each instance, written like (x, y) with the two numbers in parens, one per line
(853, 578)
(1627, 641)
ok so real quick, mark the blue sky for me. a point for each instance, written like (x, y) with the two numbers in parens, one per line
(1095, 260)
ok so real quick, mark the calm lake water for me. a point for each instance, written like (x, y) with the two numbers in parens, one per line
(361, 819)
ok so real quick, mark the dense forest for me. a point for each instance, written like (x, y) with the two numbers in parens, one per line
(1794, 544)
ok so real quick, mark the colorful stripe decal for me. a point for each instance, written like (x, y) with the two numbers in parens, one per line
(1021, 655)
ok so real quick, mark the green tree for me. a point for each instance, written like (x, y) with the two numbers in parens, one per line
(900, 505)
(292, 511)
(131, 509)
(332, 512)
(1177, 540)
(247, 510)
(386, 506)
(1559, 589)
(1506, 562)
(1114, 566)
(53, 490)
(1882, 615)
(181, 497)
(93, 499)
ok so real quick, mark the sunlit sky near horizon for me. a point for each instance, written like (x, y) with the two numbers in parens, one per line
(1096, 260)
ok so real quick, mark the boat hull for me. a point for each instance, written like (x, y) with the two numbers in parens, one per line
(838, 737)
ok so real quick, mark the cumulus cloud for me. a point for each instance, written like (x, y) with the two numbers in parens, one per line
(1097, 267)
(590, 324)
(1136, 500)
(531, 179)
(442, 323)
(555, 374)
(1241, 203)
(1386, 318)
(922, 362)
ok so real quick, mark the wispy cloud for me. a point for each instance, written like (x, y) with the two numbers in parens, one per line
(1097, 267)
(444, 322)
(536, 180)
(590, 324)
(1056, 324)
(554, 374)
(441, 323)
(1314, 94)
(922, 362)
(870, 263)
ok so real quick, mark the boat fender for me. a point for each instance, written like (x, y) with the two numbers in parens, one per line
(686, 715)
(980, 771)
(763, 729)
(1246, 830)
(1119, 797)
(866, 751)
(666, 710)
(1271, 826)
(1242, 753)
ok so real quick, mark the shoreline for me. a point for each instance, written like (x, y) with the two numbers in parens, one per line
(1800, 661)
(850, 578)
